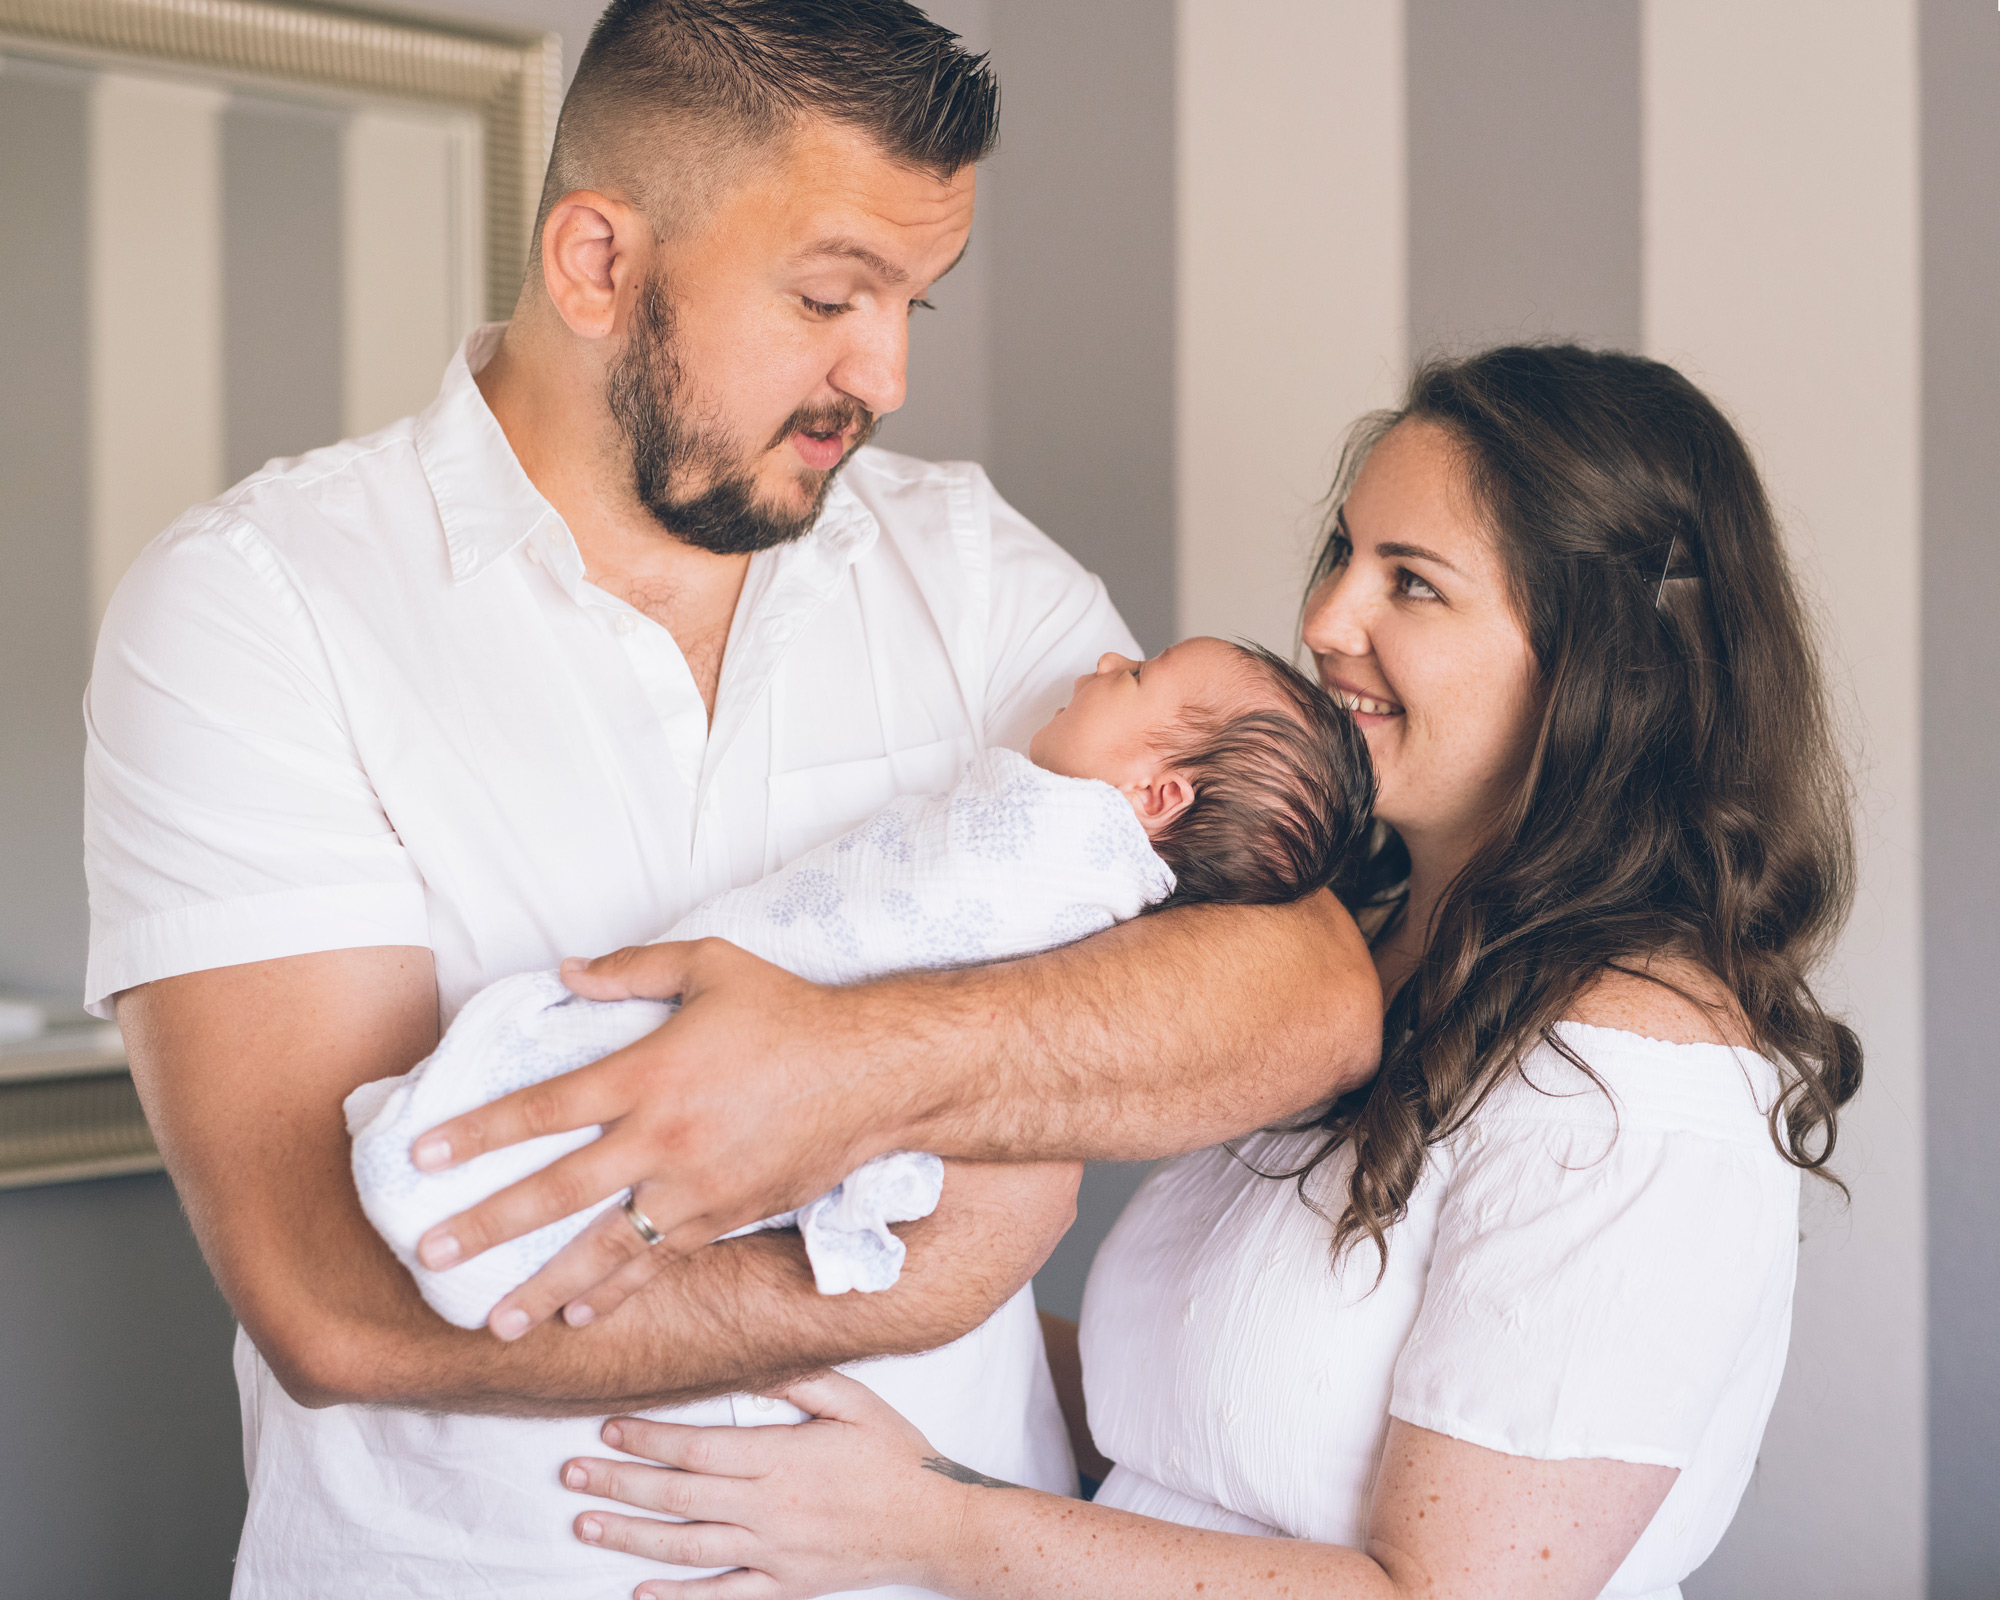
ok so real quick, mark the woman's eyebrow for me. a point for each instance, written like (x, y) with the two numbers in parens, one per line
(1414, 552)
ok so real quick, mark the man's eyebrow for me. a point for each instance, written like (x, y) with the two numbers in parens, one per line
(854, 250)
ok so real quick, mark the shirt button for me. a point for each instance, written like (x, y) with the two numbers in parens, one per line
(626, 623)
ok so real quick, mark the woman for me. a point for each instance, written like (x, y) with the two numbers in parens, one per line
(1509, 1320)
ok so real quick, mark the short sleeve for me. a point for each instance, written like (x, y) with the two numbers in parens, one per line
(1602, 1266)
(1050, 620)
(227, 816)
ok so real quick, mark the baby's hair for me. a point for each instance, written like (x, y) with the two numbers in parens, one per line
(1281, 798)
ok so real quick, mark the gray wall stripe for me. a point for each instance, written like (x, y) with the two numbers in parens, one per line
(1960, 65)
(1080, 207)
(281, 275)
(122, 1469)
(44, 522)
(1524, 171)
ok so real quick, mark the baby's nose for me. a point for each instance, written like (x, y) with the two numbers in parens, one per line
(1112, 661)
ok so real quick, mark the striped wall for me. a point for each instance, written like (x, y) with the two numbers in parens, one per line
(1215, 232)
(1795, 203)
(1781, 271)
(196, 278)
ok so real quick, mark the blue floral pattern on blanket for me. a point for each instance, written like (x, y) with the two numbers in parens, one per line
(1013, 860)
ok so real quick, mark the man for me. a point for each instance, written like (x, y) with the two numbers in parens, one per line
(607, 629)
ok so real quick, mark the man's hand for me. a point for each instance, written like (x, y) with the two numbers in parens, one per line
(242, 1071)
(1164, 1035)
(679, 1107)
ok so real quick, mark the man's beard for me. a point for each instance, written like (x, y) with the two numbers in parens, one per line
(646, 392)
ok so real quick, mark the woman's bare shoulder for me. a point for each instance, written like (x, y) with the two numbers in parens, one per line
(1667, 998)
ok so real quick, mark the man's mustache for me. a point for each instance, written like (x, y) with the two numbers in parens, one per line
(829, 419)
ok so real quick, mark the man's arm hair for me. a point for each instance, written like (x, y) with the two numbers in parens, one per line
(242, 1071)
(1162, 1035)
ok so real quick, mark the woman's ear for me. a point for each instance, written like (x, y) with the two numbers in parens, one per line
(1160, 800)
(594, 253)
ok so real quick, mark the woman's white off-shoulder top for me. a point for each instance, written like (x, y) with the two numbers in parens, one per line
(1579, 1275)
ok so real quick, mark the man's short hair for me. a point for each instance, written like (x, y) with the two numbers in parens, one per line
(672, 95)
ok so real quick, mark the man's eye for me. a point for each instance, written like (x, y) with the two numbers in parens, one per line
(821, 308)
(922, 305)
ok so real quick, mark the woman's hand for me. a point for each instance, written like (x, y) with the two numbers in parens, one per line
(852, 1498)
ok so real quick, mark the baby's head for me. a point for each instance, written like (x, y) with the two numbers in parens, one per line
(1252, 782)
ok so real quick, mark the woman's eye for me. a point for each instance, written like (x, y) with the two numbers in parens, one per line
(821, 308)
(1414, 587)
(1339, 552)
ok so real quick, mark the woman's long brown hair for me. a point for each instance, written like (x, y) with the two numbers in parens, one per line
(1684, 797)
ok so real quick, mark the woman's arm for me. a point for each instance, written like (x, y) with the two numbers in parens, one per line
(856, 1498)
(1163, 1035)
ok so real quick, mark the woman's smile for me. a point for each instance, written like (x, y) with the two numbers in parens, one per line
(1366, 709)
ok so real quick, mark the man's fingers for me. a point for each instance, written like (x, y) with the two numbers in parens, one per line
(678, 1544)
(603, 1253)
(577, 1182)
(598, 1300)
(638, 972)
(584, 1098)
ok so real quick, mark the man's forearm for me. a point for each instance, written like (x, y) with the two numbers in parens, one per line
(1163, 1035)
(743, 1314)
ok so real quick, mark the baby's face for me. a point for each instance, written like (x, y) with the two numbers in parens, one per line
(1121, 717)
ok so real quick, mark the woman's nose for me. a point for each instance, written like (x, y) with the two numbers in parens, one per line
(1336, 622)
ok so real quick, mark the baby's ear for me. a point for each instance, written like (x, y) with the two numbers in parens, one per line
(1160, 800)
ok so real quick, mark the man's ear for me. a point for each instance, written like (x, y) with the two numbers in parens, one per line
(594, 257)
(1160, 800)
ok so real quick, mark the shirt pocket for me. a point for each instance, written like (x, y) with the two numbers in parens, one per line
(815, 804)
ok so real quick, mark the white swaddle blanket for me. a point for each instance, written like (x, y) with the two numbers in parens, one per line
(1013, 860)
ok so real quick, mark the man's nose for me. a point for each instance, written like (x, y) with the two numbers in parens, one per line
(874, 365)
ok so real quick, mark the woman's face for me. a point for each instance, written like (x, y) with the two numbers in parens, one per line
(1416, 632)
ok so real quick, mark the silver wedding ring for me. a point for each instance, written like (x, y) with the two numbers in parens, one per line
(641, 1222)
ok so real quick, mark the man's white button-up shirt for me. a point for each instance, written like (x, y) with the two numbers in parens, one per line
(371, 697)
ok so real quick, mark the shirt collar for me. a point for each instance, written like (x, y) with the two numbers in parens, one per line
(488, 504)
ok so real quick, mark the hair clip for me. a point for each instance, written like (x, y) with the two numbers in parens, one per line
(1667, 571)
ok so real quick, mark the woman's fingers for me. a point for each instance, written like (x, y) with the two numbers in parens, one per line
(677, 1544)
(716, 1452)
(745, 1583)
(692, 1497)
(834, 1396)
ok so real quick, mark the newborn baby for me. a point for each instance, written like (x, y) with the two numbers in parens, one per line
(1212, 773)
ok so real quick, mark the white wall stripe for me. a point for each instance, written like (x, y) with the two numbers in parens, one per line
(155, 259)
(1292, 299)
(1781, 273)
(412, 290)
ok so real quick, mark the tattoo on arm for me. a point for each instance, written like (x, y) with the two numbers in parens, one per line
(958, 1474)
